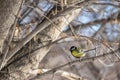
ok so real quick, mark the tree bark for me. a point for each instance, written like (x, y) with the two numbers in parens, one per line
(8, 10)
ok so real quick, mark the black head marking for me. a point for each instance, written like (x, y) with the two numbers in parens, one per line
(73, 48)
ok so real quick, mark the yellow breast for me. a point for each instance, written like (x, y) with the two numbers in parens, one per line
(78, 55)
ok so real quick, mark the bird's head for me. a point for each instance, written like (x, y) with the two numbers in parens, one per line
(73, 48)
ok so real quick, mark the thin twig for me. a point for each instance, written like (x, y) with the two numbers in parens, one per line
(38, 29)
(75, 61)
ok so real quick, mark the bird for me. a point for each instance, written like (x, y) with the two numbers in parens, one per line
(77, 52)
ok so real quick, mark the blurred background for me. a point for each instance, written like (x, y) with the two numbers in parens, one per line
(96, 28)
